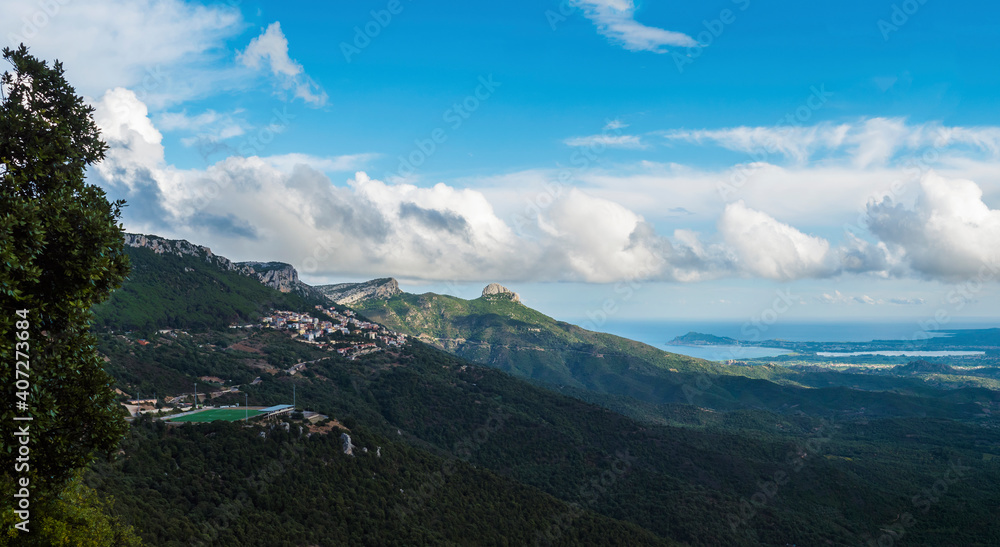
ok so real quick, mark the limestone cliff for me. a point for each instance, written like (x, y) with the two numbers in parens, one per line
(347, 294)
(276, 275)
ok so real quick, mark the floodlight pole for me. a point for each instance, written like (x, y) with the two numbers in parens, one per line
(246, 409)
(196, 396)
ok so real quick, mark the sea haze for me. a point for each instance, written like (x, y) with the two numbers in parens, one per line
(659, 333)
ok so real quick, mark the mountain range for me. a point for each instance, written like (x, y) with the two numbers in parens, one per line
(496, 424)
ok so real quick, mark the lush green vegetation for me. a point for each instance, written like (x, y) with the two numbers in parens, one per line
(171, 363)
(527, 343)
(185, 292)
(641, 379)
(701, 455)
(61, 253)
(690, 480)
(222, 484)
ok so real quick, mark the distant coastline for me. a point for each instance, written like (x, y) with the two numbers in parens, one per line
(935, 342)
(721, 340)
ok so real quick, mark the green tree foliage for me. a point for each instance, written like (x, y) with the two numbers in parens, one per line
(78, 517)
(704, 478)
(223, 484)
(62, 252)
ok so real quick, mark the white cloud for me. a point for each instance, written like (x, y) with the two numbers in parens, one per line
(286, 208)
(134, 143)
(798, 143)
(768, 248)
(876, 140)
(270, 50)
(839, 298)
(615, 19)
(209, 126)
(601, 240)
(345, 163)
(869, 142)
(949, 232)
(166, 50)
(605, 140)
(615, 124)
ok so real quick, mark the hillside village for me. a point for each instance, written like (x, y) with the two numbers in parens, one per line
(330, 334)
(342, 332)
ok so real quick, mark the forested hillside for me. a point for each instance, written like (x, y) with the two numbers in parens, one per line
(465, 454)
(166, 290)
(692, 482)
(639, 379)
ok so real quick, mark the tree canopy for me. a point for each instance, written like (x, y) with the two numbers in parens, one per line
(61, 253)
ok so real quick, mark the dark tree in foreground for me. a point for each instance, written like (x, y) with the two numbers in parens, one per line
(61, 251)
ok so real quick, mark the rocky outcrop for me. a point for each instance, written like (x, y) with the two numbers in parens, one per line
(496, 290)
(348, 446)
(347, 294)
(177, 247)
(276, 275)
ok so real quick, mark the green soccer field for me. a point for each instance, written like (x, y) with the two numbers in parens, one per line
(211, 415)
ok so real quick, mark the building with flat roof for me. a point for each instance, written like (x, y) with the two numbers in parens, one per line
(275, 411)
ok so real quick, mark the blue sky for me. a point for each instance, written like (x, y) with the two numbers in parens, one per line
(681, 159)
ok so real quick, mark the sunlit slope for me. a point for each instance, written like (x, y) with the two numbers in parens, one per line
(512, 337)
(516, 338)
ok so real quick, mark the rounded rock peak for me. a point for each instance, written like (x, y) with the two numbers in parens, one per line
(496, 289)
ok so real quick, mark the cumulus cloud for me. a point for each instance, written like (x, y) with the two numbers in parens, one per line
(134, 143)
(285, 205)
(269, 51)
(948, 233)
(288, 208)
(771, 249)
(615, 19)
